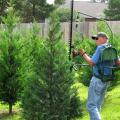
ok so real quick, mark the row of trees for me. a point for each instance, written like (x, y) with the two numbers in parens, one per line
(40, 9)
(29, 9)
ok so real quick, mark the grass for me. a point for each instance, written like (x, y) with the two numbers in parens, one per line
(110, 108)
(4, 115)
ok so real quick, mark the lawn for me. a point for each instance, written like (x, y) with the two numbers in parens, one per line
(110, 109)
(4, 112)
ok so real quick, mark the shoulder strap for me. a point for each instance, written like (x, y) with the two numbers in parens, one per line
(101, 68)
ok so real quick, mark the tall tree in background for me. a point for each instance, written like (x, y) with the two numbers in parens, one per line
(59, 2)
(3, 6)
(37, 9)
(29, 9)
(10, 60)
(113, 10)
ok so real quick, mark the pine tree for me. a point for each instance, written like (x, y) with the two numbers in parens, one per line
(47, 92)
(10, 61)
(113, 10)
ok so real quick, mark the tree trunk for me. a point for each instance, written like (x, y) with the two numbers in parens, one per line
(1, 7)
(34, 10)
(10, 108)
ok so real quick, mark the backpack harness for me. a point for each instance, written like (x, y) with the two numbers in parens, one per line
(108, 59)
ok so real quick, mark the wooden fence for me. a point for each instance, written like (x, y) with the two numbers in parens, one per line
(87, 28)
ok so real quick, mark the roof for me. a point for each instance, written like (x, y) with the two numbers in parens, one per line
(94, 9)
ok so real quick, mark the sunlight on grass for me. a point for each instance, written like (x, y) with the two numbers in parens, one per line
(110, 108)
(4, 112)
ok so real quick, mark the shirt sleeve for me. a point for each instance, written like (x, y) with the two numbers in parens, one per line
(96, 56)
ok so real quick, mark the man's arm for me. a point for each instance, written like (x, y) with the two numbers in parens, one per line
(88, 59)
(118, 62)
(95, 58)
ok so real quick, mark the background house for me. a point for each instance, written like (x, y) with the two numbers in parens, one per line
(95, 9)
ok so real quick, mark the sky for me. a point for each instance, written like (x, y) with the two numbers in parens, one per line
(51, 1)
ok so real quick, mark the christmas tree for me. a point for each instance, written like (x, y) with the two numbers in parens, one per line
(10, 61)
(47, 92)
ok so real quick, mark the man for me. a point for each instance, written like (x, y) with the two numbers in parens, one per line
(97, 87)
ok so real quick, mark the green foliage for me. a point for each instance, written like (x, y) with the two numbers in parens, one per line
(75, 103)
(59, 2)
(112, 12)
(85, 72)
(37, 9)
(47, 92)
(32, 9)
(29, 9)
(10, 61)
(33, 85)
(64, 14)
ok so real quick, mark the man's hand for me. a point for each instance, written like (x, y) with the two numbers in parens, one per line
(81, 52)
(118, 62)
(87, 58)
(74, 53)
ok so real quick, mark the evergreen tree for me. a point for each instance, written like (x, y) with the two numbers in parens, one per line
(30, 9)
(47, 92)
(3, 6)
(10, 60)
(113, 10)
(59, 2)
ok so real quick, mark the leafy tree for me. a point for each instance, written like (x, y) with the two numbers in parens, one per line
(64, 14)
(3, 6)
(18, 5)
(113, 10)
(29, 9)
(10, 61)
(39, 8)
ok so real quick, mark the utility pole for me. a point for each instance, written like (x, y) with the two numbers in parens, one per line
(71, 28)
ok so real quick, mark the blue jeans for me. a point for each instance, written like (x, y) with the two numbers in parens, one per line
(96, 94)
